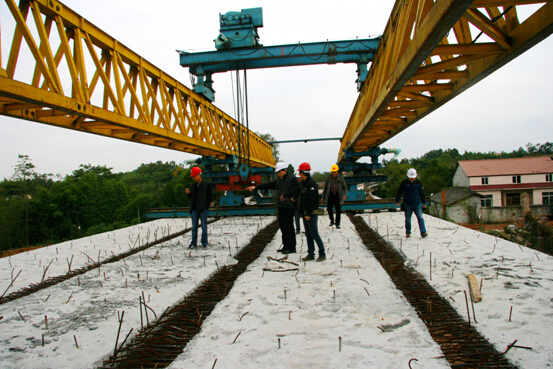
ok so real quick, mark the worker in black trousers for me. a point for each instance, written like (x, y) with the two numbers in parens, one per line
(334, 194)
(285, 206)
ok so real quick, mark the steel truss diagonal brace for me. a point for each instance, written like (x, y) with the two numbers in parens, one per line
(430, 53)
(80, 78)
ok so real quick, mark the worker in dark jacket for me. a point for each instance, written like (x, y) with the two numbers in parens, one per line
(334, 194)
(308, 203)
(413, 201)
(201, 195)
(285, 206)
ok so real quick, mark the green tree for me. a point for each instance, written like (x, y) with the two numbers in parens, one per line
(320, 176)
(12, 230)
(276, 147)
(396, 172)
(438, 175)
(290, 170)
(24, 170)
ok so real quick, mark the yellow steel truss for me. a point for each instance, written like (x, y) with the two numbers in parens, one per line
(85, 80)
(431, 52)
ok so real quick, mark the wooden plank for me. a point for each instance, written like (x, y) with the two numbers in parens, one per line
(474, 288)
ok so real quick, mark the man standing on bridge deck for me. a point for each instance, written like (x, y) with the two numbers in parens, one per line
(201, 195)
(308, 202)
(285, 206)
(334, 194)
(413, 201)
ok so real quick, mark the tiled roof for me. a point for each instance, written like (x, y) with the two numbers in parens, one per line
(454, 195)
(502, 167)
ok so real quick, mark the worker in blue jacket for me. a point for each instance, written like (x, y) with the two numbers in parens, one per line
(413, 201)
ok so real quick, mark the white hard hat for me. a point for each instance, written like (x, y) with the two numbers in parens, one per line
(412, 173)
(280, 166)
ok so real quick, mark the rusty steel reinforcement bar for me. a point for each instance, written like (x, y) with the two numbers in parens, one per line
(462, 345)
(159, 343)
(73, 273)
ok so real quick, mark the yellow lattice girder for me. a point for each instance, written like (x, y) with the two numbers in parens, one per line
(85, 80)
(428, 55)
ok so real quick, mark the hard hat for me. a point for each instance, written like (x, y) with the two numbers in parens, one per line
(195, 171)
(334, 168)
(412, 173)
(304, 167)
(280, 166)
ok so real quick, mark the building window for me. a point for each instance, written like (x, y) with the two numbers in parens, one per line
(486, 201)
(513, 199)
(549, 177)
(485, 180)
(547, 198)
(516, 179)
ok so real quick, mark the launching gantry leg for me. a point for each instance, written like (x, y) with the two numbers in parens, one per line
(237, 177)
(363, 174)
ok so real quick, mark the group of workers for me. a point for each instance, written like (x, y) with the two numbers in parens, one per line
(303, 196)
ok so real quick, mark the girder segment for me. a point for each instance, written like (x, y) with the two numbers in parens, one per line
(431, 52)
(82, 79)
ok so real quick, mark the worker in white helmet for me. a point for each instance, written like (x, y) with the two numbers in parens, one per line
(413, 201)
(284, 183)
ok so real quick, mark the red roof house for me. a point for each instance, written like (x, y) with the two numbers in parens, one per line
(503, 181)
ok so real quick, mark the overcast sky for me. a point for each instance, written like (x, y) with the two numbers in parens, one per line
(502, 113)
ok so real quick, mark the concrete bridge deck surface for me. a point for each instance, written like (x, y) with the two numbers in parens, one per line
(341, 313)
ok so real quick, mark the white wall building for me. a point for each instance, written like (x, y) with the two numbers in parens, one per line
(501, 182)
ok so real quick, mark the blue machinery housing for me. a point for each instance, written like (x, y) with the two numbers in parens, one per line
(232, 204)
(238, 48)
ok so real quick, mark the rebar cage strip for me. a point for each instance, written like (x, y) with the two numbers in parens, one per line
(73, 75)
(431, 52)
(461, 343)
(160, 342)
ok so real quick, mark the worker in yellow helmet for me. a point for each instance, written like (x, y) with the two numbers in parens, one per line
(334, 194)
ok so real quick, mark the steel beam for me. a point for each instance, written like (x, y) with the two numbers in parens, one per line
(329, 52)
(113, 91)
(429, 55)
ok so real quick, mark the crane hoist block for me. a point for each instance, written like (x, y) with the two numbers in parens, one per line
(239, 29)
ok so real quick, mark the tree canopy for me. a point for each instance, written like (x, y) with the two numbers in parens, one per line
(91, 200)
(437, 167)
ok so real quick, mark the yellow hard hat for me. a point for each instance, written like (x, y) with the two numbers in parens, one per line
(334, 168)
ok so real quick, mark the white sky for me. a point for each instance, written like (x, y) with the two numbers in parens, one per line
(502, 113)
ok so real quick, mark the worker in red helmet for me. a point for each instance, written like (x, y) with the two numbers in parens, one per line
(201, 195)
(285, 206)
(334, 194)
(308, 202)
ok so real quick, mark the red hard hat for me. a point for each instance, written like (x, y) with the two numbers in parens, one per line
(195, 171)
(304, 166)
